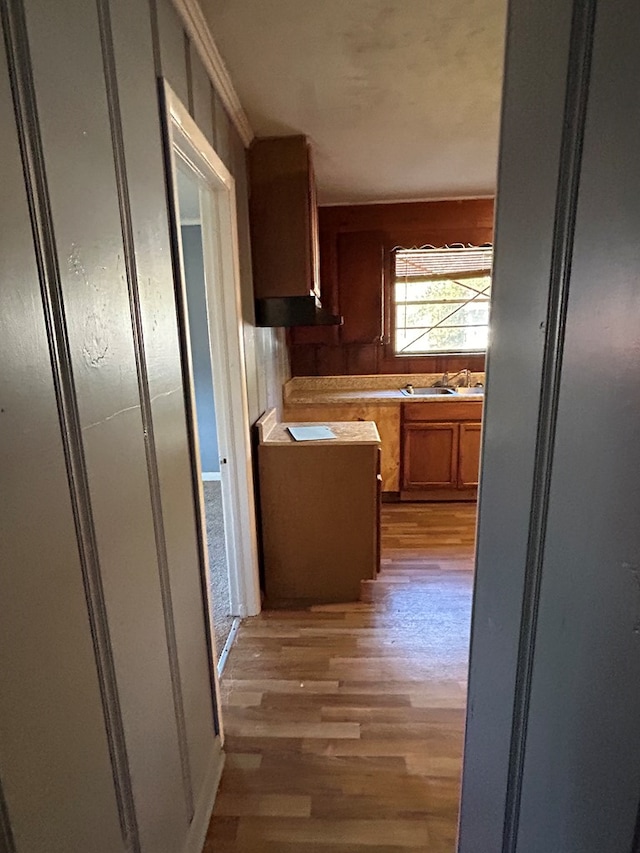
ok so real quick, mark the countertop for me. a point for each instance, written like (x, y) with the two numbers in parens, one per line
(272, 431)
(379, 390)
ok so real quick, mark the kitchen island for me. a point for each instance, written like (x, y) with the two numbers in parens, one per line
(319, 510)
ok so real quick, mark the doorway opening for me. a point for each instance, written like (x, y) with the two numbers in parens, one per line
(203, 194)
(209, 458)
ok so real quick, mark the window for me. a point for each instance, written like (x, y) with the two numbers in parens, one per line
(441, 299)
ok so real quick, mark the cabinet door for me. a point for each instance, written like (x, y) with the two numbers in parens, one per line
(430, 456)
(469, 456)
(360, 285)
(282, 224)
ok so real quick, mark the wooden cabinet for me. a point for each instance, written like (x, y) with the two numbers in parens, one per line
(283, 213)
(284, 233)
(360, 265)
(386, 418)
(430, 456)
(440, 451)
(319, 509)
(469, 455)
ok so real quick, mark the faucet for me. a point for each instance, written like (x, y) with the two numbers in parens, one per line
(448, 381)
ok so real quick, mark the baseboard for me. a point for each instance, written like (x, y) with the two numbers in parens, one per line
(224, 654)
(452, 495)
(207, 476)
(204, 806)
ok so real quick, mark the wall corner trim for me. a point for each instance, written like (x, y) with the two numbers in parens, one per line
(204, 808)
(198, 30)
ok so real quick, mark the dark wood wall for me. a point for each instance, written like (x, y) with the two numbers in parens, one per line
(355, 250)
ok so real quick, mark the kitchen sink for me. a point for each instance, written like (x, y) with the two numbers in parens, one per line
(440, 391)
(427, 392)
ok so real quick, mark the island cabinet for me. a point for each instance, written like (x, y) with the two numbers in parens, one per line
(386, 418)
(440, 457)
(319, 511)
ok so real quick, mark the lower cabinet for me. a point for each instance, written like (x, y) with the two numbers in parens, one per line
(440, 458)
(430, 456)
(469, 455)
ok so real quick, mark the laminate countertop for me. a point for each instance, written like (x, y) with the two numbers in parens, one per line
(379, 390)
(272, 431)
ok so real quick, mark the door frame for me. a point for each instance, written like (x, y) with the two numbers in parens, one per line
(225, 321)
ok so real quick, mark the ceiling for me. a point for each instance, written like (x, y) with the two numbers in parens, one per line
(400, 98)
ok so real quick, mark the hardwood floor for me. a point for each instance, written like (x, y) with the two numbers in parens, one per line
(344, 724)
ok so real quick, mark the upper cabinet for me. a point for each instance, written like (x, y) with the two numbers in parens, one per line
(284, 233)
(360, 260)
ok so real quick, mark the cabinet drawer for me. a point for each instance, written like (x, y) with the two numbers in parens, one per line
(443, 410)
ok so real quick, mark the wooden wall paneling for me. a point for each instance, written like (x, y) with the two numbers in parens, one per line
(360, 268)
(411, 217)
(47, 653)
(200, 94)
(169, 462)
(331, 360)
(347, 246)
(77, 139)
(362, 358)
(303, 359)
(388, 365)
(173, 55)
(428, 364)
(313, 335)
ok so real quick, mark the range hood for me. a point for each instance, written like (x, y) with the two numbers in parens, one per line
(291, 311)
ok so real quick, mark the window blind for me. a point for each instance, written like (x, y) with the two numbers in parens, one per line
(429, 262)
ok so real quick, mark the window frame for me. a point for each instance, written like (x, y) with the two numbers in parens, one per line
(390, 309)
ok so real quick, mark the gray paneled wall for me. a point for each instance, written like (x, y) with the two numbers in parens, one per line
(51, 701)
(107, 722)
(553, 735)
(265, 349)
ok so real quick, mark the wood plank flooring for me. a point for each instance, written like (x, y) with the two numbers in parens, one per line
(344, 724)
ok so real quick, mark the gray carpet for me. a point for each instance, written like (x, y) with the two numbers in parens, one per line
(219, 589)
